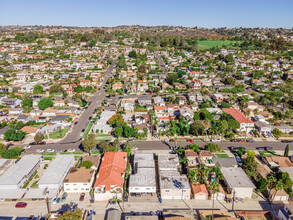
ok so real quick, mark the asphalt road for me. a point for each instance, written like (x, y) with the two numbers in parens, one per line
(159, 145)
(73, 139)
(161, 62)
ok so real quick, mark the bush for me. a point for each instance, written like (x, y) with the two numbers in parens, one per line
(213, 147)
(87, 164)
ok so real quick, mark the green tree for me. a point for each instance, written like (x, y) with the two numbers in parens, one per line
(213, 147)
(38, 137)
(27, 103)
(12, 153)
(89, 143)
(118, 131)
(87, 164)
(277, 133)
(286, 153)
(197, 128)
(38, 89)
(262, 184)
(196, 116)
(128, 131)
(116, 144)
(132, 54)
(55, 88)
(184, 160)
(172, 78)
(45, 103)
(13, 135)
(229, 58)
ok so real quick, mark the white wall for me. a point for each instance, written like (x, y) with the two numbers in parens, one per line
(140, 189)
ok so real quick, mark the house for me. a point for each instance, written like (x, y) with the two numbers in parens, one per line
(30, 130)
(245, 123)
(128, 104)
(59, 119)
(15, 111)
(158, 100)
(79, 180)
(173, 185)
(110, 179)
(277, 196)
(221, 195)
(206, 158)
(24, 118)
(286, 129)
(286, 212)
(50, 112)
(277, 161)
(199, 192)
(192, 157)
(102, 124)
(161, 113)
(117, 86)
(225, 162)
(11, 102)
(237, 182)
(218, 98)
(144, 100)
(263, 127)
(143, 179)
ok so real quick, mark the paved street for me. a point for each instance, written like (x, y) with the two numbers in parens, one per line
(159, 145)
(73, 139)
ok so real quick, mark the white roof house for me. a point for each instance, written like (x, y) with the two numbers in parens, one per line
(237, 182)
(18, 174)
(144, 178)
(55, 174)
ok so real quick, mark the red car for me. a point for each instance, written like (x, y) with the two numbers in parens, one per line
(241, 140)
(190, 140)
(20, 205)
(81, 198)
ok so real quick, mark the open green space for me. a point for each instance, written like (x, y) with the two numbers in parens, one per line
(103, 137)
(267, 153)
(222, 155)
(87, 130)
(58, 134)
(206, 44)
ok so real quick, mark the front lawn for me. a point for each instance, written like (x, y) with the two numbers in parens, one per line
(267, 153)
(58, 134)
(87, 130)
(222, 155)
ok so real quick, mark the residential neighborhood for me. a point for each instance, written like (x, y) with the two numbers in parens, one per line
(134, 121)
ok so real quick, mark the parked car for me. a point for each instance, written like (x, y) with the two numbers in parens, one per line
(190, 140)
(81, 198)
(64, 196)
(71, 150)
(27, 147)
(234, 140)
(42, 143)
(241, 140)
(33, 143)
(215, 140)
(50, 150)
(260, 148)
(286, 141)
(266, 148)
(239, 161)
(250, 140)
(59, 150)
(21, 205)
(39, 150)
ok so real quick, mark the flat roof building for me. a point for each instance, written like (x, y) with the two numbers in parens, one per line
(237, 182)
(18, 174)
(55, 174)
(5, 164)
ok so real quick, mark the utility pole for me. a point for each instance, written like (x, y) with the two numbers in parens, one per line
(233, 199)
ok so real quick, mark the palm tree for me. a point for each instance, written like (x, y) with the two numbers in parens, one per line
(184, 160)
(271, 182)
(202, 174)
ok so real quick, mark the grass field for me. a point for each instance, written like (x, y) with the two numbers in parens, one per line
(87, 130)
(206, 44)
(222, 155)
(267, 153)
(103, 137)
(58, 134)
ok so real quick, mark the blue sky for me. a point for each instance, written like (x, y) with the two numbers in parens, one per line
(201, 13)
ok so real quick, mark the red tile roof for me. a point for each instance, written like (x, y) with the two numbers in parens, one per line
(199, 189)
(111, 170)
(237, 115)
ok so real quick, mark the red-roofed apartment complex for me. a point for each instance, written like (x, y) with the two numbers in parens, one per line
(245, 123)
(110, 179)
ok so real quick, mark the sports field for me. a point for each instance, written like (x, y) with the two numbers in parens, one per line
(206, 44)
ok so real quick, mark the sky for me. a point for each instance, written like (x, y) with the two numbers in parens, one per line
(108, 13)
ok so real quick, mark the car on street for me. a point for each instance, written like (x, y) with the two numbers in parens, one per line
(236, 148)
(21, 205)
(27, 147)
(64, 196)
(81, 198)
(39, 151)
(250, 141)
(50, 150)
(171, 140)
(42, 143)
(33, 143)
(58, 150)
(286, 141)
(190, 140)
(241, 140)
(266, 148)
(71, 150)
(215, 140)
(234, 140)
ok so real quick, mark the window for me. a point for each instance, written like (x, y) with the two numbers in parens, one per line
(85, 184)
(148, 188)
(167, 190)
(87, 189)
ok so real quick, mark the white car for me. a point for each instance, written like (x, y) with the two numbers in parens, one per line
(50, 150)
(27, 147)
(215, 140)
(39, 151)
(71, 150)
